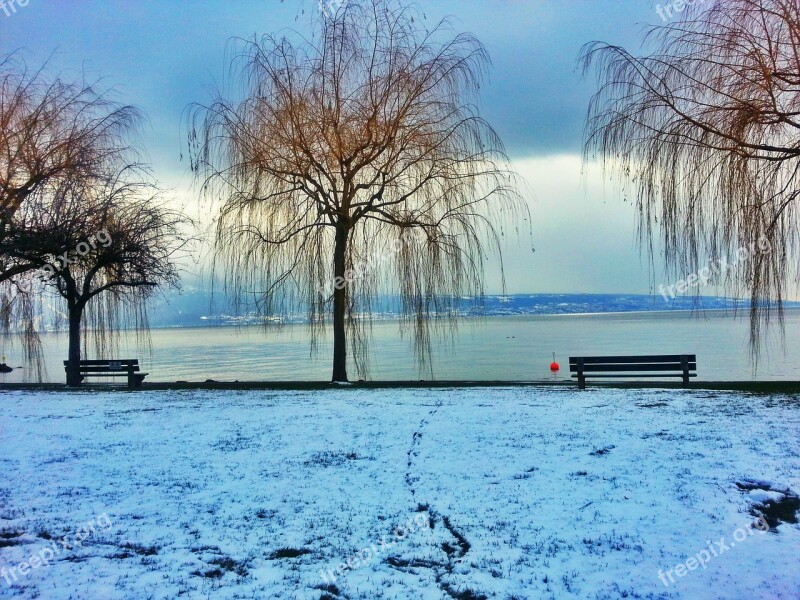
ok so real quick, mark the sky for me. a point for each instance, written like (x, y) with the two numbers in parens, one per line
(162, 55)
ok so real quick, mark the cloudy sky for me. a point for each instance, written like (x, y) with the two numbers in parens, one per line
(163, 55)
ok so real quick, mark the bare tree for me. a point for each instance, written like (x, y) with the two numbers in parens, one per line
(45, 226)
(52, 133)
(121, 240)
(339, 147)
(707, 131)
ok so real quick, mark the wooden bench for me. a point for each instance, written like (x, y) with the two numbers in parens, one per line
(111, 368)
(612, 367)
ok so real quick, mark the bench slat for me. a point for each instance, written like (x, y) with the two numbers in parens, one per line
(663, 358)
(98, 369)
(106, 374)
(112, 374)
(133, 361)
(635, 367)
(638, 375)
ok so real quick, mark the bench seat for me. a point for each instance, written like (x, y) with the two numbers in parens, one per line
(112, 368)
(618, 367)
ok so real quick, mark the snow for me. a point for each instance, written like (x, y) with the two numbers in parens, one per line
(756, 485)
(528, 492)
(763, 496)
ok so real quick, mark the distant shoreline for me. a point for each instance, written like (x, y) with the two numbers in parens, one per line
(199, 308)
(680, 313)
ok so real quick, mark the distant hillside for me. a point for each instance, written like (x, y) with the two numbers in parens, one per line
(195, 308)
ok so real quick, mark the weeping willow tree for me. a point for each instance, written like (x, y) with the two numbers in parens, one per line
(337, 148)
(706, 130)
(53, 133)
(104, 249)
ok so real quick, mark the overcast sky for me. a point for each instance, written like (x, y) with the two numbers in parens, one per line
(163, 55)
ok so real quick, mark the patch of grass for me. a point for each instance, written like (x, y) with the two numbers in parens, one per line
(210, 574)
(206, 548)
(470, 595)
(331, 459)
(235, 443)
(401, 563)
(602, 451)
(463, 543)
(611, 541)
(329, 592)
(660, 434)
(9, 538)
(466, 594)
(288, 553)
(229, 564)
(140, 549)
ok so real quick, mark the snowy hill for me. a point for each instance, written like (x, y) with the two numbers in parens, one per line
(198, 308)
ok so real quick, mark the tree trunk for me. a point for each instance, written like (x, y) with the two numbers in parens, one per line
(74, 356)
(340, 293)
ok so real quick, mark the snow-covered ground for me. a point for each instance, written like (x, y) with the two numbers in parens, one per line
(499, 493)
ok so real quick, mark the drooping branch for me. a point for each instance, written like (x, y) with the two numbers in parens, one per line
(54, 134)
(706, 129)
(343, 143)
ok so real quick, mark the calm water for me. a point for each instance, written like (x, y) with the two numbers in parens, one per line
(498, 348)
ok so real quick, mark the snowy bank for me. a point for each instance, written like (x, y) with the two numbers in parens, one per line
(360, 494)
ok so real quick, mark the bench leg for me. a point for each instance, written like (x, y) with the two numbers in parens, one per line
(581, 375)
(685, 367)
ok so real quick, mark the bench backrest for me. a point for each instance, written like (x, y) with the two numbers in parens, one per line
(107, 365)
(622, 364)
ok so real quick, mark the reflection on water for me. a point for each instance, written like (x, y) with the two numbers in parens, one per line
(497, 348)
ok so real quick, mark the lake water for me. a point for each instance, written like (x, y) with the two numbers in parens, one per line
(496, 348)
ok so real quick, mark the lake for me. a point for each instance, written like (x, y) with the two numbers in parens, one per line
(495, 348)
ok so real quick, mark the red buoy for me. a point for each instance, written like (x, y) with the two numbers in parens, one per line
(554, 365)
